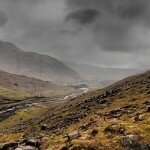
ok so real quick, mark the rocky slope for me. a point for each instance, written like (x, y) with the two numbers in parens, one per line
(113, 118)
(17, 61)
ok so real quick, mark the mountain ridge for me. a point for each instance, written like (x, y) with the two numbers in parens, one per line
(17, 61)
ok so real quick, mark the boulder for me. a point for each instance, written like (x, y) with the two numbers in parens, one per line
(85, 137)
(148, 108)
(94, 132)
(139, 117)
(32, 142)
(43, 127)
(118, 109)
(25, 148)
(73, 135)
(131, 142)
(8, 146)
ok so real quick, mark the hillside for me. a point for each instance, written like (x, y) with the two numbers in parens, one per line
(95, 73)
(17, 61)
(20, 87)
(113, 118)
(24, 84)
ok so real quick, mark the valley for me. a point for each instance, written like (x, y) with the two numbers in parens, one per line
(116, 117)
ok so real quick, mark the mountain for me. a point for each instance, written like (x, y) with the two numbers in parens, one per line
(114, 118)
(95, 73)
(17, 61)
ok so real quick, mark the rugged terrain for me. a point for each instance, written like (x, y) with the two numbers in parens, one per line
(17, 61)
(114, 118)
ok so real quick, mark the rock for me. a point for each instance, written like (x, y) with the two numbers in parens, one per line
(131, 142)
(102, 101)
(85, 137)
(94, 132)
(122, 130)
(32, 142)
(86, 126)
(25, 148)
(44, 139)
(73, 135)
(148, 108)
(110, 129)
(117, 115)
(8, 146)
(85, 114)
(127, 106)
(116, 110)
(139, 117)
(145, 147)
(147, 102)
(44, 127)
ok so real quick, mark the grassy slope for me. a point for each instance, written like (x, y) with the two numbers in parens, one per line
(132, 91)
(19, 87)
(11, 94)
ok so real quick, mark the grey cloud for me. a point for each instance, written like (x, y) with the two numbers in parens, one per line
(113, 27)
(102, 32)
(3, 19)
(83, 16)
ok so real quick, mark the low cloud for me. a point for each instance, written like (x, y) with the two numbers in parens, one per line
(113, 28)
(83, 16)
(3, 19)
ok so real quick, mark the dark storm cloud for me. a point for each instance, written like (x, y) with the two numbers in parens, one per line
(3, 19)
(113, 27)
(82, 16)
(131, 9)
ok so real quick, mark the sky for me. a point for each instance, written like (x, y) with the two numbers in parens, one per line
(107, 33)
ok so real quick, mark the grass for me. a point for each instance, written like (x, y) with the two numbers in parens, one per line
(22, 115)
(61, 92)
(13, 95)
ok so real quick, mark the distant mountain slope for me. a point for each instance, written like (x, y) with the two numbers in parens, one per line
(92, 72)
(24, 84)
(14, 60)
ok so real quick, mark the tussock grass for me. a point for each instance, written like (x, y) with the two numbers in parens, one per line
(13, 95)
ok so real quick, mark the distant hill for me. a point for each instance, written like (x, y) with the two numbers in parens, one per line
(92, 72)
(19, 87)
(24, 84)
(17, 61)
